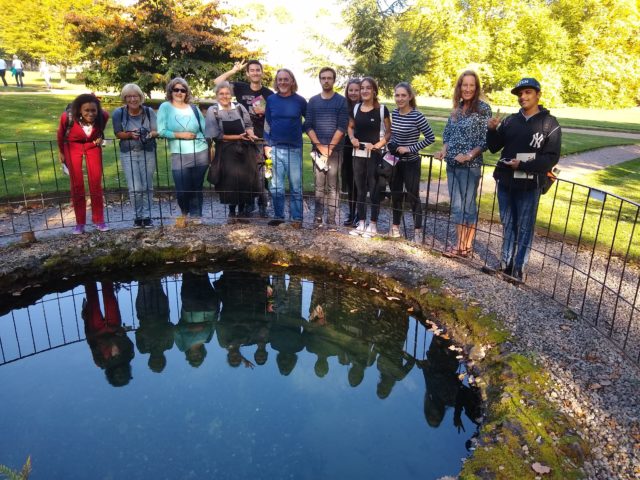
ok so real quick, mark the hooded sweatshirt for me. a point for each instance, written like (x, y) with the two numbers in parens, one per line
(539, 135)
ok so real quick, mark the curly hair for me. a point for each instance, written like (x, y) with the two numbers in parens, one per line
(82, 99)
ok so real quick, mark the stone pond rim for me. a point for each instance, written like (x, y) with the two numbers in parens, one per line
(397, 268)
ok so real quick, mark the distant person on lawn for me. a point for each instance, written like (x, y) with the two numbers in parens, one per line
(18, 70)
(3, 71)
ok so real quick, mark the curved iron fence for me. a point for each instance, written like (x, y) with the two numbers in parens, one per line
(585, 254)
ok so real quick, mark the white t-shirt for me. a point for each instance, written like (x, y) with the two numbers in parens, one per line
(17, 64)
(3, 64)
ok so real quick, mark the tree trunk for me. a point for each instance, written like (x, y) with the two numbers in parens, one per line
(63, 74)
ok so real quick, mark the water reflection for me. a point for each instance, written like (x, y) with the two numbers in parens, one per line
(283, 324)
(154, 335)
(111, 348)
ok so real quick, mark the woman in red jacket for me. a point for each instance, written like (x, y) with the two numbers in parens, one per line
(80, 136)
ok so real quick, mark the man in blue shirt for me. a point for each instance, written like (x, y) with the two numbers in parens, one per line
(326, 123)
(283, 133)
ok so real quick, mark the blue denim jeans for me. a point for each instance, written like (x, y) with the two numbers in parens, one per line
(518, 211)
(287, 160)
(463, 188)
(189, 189)
(139, 167)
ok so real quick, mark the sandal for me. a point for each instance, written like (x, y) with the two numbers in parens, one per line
(465, 253)
(451, 252)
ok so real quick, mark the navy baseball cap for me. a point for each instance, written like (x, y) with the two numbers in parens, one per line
(526, 83)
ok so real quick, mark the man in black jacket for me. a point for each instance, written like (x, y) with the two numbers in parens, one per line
(530, 142)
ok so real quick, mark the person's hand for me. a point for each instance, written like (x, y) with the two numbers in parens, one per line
(513, 163)
(323, 149)
(267, 151)
(355, 143)
(402, 150)
(153, 134)
(439, 155)
(135, 134)
(237, 66)
(251, 136)
(185, 135)
(247, 364)
(462, 158)
(374, 146)
(61, 157)
(494, 121)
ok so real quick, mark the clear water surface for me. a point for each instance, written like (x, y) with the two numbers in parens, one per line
(229, 375)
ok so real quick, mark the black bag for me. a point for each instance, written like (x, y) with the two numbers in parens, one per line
(383, 169)
(215, 165)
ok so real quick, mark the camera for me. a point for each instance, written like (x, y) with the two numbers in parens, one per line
(144, 135)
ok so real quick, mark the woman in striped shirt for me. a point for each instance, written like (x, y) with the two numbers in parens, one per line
(407, 123)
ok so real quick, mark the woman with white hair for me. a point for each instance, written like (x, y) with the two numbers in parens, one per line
(136, 127)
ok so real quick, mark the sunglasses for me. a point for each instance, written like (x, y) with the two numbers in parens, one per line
(178, 90)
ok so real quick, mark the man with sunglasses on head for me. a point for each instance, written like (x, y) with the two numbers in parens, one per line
(530, 141)
(253, 96)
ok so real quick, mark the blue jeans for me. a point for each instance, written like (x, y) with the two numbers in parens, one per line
(287, 160)
(139, 167)
(518, 210)
(463, 188)
(189, 182)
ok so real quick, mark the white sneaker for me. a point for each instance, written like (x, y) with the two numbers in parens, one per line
(359, 230)
(395, 231)
(371, 231)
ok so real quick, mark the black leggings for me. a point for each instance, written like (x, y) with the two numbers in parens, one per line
(406, 174)
(348, 183)
(366, 180)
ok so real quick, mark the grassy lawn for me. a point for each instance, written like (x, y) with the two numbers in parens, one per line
(582, 213)
(35, 116)
(626, 119)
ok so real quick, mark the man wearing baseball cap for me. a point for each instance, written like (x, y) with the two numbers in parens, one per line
(530, 142)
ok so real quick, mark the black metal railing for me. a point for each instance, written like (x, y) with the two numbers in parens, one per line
(585, 254)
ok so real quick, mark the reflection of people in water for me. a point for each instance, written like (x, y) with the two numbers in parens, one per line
(243, 320)
(155, 334)
(393, 362)
(319, 333)
(441, 378)
(200, 307)
(286, 327)
(111, 348)
(468, 400)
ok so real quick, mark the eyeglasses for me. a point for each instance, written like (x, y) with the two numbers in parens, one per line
(131, 97)
(178, 90)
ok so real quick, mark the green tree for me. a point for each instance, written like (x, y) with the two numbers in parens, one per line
(391, 45)
(38, 29)
(605, 52)
(153, 41)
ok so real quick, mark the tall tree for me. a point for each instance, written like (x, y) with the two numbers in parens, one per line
(389, 44)
(153, 41)
(38, 29)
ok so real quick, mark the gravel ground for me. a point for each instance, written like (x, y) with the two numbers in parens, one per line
(593, 382)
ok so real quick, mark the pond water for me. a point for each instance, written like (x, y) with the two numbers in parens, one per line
(229, 374)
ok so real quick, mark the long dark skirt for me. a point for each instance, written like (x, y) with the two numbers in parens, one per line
(238, 182)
